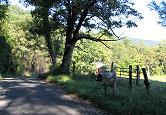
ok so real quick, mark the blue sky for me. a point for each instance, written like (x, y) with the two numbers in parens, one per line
(147, 29)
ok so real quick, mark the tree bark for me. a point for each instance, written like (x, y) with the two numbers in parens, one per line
(67, 57)
(50, 50)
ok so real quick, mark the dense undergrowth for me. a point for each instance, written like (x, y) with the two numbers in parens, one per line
(124, 101)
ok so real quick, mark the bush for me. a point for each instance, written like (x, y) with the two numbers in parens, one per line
(60, 79)
(1, 77)
(157, 71)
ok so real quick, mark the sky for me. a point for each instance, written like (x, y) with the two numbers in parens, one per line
(148, 28)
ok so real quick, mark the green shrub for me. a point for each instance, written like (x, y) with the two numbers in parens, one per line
(60, 79)
(157, 71)
(1, 77)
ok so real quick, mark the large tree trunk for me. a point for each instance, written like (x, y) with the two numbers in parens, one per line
(67, 57)
(51, 51)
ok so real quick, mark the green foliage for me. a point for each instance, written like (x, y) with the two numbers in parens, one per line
(19, 45)
(1, 77)
(123, 53)
(73, 15)
(60, 79)
(124, 101)
(87, 54)
(161, 10)
(3, 9)
(102, 9)
(25, 49)
(6, 61)
(16, 27)
(5, 56)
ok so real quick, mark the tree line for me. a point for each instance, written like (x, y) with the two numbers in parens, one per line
(51, 38)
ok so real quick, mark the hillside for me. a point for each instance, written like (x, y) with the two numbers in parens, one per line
(146, 42)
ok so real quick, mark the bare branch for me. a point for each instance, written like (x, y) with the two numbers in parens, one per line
(105, 45)
(115, 34)
(95, 41)
(80, 49)
(85, 36)
(110, 28)
(101, 35)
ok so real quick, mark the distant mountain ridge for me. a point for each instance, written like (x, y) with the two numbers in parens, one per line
(146, 42)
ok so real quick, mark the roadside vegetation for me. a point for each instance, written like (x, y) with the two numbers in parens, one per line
(125, 101)
(1, 77)
(48, 44)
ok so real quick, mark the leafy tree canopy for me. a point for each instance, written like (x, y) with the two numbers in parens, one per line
(98, 14)
(79, 17)
(161, 10)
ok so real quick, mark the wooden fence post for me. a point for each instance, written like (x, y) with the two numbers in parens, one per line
(112, 66)
(138, 75)
(146, 81)
(130, 77)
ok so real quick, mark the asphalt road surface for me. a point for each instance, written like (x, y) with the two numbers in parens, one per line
(33, 97)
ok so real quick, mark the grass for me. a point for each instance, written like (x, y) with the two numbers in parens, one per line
(1, 77)
(160, 78)
(125, 101)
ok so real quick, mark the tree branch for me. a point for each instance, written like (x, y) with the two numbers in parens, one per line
(105, 45)
(83, 16)
(101, 35)
(95, 41)
(67, 3)
(116, 35)
(110, 28)
(78, 47)
(85, 36)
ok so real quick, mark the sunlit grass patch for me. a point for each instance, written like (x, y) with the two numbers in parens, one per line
(1, 77)
(61, 79)
(160, 78)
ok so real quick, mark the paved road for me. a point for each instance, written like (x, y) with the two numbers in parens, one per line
(32, 97)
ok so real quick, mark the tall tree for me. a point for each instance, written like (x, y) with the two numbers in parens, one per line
(161, 10)
(42, 25)
(79, 17)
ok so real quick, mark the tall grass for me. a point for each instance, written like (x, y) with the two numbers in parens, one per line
(125, 101)
(1, 77)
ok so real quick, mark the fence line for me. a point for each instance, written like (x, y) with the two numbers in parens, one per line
(127, 72)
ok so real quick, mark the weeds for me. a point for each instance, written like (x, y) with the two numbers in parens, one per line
(125, 101)
(1, 77)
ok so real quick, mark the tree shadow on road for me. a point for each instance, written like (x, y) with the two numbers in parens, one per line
(34, 97)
